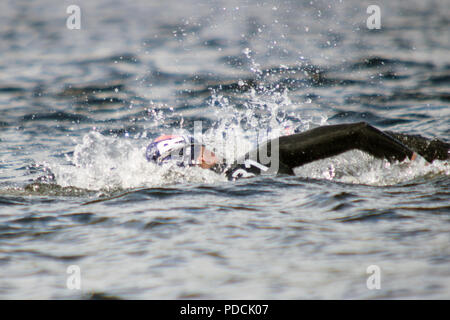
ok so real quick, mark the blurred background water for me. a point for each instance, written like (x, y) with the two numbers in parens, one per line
(78, 107)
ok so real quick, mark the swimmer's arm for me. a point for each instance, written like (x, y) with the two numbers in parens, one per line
(430, 149)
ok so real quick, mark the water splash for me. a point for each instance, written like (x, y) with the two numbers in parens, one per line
(109, 163)
(243, 121)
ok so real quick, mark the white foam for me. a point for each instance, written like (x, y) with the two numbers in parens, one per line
(358, 167)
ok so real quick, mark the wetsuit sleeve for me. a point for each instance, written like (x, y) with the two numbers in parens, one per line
(327, 141)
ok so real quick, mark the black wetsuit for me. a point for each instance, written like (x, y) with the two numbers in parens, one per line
(327, 141)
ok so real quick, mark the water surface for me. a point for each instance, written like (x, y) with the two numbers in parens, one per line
(81, 106)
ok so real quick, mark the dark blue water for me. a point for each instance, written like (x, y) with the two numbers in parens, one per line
(78, 107)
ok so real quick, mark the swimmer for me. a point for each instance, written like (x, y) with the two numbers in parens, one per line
(298, 149)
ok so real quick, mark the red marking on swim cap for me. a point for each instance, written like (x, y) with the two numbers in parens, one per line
(165, 137)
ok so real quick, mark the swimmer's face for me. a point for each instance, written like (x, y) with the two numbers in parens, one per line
(207, 158)
(182, 150)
